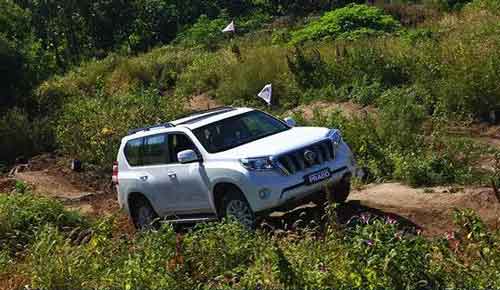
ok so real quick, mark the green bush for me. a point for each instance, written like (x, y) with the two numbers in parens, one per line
(205, 33)
(381, 256)
(22, 215)
(242, 79)
(309, 70)
(460, 70)
(351, 22)
(203, 74)
(392, 144)
(20, 136)
(214, 249)
(91, 129)
(402, 114)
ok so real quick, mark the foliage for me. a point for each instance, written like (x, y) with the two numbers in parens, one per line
(397, 150)
(23, 61)
(19, 137)
(23, 214)
(244, 77)
(205, 33)
(368, 252)
(91, 129)
(309, 70)
(350, 22)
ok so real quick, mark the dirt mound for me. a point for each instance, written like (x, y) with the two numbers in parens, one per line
(430, 208)
(88, 191)
(202, 102)
(348, 109)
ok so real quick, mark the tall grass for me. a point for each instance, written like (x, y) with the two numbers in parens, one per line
(366, 253)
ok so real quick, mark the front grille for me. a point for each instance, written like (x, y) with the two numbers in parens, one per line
(295, 161)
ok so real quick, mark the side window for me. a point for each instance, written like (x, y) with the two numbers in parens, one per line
(155, 150)
(177, 143)
(133, 152)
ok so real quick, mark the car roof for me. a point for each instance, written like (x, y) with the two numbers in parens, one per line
(203, 118)
(191, 122)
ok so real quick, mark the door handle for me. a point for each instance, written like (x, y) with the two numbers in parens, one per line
(171, 174)
(143, 178)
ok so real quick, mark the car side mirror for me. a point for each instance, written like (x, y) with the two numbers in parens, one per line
(187, 156)
(290, 121)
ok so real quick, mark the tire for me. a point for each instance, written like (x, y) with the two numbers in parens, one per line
(143, 214)
(340, 191)
(236, 206)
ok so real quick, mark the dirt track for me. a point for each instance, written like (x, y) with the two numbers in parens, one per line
(429, 209)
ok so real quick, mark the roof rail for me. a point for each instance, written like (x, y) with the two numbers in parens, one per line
(205, 114)
(164, 125)
(216, 109)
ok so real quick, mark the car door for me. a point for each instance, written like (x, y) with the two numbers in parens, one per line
(192, 190)
(155, 175)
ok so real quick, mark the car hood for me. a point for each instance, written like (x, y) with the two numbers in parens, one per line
(288, 140)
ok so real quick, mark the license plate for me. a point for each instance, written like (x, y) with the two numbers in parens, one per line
(318, 176)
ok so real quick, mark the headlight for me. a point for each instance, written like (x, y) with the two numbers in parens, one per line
(258, 164)
(335, 136)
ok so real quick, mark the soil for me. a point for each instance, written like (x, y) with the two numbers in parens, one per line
(429, 209)
(202, 102)
(348, 109)
(87, 191)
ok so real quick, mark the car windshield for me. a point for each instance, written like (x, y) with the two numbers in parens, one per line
(238, 130)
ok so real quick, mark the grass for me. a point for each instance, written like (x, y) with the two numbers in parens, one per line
(445, 70)
(366, 253)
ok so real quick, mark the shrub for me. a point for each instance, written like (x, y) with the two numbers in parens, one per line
(242, 80)
(350, 22)
(402, 114)
(381, 256)
(222, 248)
(205, 33)
(104, 262)
(474, 248)
(309, 70)
(20, 136)
(203, 74)
(15, 139)
(91, 129)
(461, 70)
(22, 215)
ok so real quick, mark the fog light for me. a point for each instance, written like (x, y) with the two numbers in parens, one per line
(264, 193)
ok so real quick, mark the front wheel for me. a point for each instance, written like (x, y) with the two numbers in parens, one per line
(340, 191)
(236, 206)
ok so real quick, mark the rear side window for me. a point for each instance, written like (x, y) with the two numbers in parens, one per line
(133, 152)
(156, 150)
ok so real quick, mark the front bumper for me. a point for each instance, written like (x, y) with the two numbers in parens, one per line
(286, 189)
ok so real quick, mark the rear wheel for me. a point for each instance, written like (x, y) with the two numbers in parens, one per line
(143, 214)
(236, 206)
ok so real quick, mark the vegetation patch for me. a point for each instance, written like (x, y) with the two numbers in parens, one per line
(350, 22)
(367, 252)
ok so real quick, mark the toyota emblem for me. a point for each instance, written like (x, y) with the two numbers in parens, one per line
(310, 156)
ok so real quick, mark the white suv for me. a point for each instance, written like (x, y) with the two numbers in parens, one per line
(230, 161)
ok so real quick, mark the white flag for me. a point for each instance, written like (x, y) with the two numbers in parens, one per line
(229, 28)
(266, 93)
